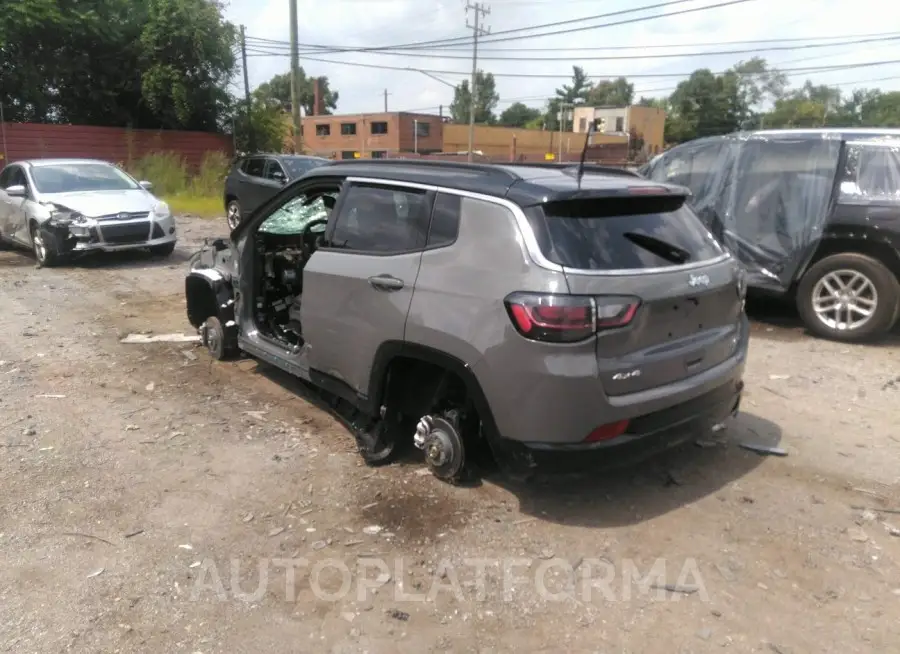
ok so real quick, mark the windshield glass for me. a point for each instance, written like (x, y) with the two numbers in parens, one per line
(298, 166)
(294, 216)
(75, 177)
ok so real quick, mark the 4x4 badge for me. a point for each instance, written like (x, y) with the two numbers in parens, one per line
(698, 280)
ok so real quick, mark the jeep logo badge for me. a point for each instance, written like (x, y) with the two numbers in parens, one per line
(698, 280)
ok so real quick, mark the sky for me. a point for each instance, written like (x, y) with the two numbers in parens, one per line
(367, 23)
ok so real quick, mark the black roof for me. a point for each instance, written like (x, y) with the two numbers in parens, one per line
(524, 184)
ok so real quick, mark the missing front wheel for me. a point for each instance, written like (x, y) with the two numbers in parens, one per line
(441, 440)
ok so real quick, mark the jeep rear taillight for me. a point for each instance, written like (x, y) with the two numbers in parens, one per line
(557, 318)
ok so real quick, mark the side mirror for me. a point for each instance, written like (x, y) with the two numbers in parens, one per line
(146, 185)
(17, 191)
(281, 179)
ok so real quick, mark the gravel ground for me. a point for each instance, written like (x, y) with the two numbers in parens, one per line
(155, 501)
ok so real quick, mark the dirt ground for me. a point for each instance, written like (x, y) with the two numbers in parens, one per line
(152, 500)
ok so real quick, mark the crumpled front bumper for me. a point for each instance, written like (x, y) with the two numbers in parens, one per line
(109, 235)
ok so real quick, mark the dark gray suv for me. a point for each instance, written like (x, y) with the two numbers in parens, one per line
(255, 178)
(526, 307)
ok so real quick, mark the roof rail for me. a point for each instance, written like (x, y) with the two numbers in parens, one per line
(461, 166)
(588, 167)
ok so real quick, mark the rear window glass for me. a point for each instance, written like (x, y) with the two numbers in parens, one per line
(623, 233)
(299, 166)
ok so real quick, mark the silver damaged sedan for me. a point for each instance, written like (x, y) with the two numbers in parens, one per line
(62, 207)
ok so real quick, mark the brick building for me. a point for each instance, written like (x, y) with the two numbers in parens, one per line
(372, 136)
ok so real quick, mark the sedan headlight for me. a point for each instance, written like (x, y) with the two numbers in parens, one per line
(161, 210)
(64, 218)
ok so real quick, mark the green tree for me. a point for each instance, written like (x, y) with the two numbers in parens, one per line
(266, 131)
(877, 109)
(151, 64)
(187, 50)
(656, 103)
(811, 105)
(518, 115)
(278, 90)
(618, 92)
(568, 94)
(486, 100)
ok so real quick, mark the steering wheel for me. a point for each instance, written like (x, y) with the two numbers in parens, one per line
(306, 234)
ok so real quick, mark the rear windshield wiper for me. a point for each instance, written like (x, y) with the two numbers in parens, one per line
(659, 247)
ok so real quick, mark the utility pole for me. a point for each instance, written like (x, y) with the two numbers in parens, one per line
(480, 12)
(562, 122)
(295, 82)
(250, 140)
(386, 94)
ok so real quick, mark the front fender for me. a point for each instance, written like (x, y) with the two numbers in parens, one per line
(208, 293)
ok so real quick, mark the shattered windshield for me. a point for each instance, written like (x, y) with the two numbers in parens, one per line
(293, 217)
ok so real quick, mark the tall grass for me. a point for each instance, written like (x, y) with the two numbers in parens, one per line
(199, 193)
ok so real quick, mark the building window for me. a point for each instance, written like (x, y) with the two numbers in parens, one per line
(323, 130)
(620, 124)
(348, 129)
(379, 128)
(422, 128)
(379, 154)
(348, 154)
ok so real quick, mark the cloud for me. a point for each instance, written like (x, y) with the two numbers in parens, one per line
(361, 23)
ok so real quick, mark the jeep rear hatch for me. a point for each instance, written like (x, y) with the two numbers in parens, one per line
(667, 301)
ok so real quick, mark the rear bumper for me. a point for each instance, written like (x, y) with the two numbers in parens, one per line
(646, 435)
(559, 400)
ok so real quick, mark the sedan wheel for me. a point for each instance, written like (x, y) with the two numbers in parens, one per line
(849, 297)
(233, 214)
(45, 258)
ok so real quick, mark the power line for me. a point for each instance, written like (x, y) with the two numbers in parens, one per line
(655, 46)
(708, 53)
(468, 40)
(569, 75)
(465, 40)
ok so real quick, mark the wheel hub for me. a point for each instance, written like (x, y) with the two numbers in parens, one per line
(437, 449)
(439, 439)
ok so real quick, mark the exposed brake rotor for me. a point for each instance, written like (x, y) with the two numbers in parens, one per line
(439, 438)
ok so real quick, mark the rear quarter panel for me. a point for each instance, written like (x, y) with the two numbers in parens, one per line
(457, 306)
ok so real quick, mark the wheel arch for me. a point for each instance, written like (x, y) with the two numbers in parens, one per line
(866, 242)
(393, 353)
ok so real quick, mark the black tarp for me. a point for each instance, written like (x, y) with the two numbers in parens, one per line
(766, 196)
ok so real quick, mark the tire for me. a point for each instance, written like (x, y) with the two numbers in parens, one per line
(45, 258)
(877, 290)
(213, 337)
(233, 214)
(164, 250)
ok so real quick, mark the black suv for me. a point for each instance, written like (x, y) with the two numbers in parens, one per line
(813, 214)
(256, 178)
(444, 304)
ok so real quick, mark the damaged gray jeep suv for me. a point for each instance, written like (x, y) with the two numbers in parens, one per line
(544, 311)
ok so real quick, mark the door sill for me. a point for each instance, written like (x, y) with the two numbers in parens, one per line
(273, 353)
